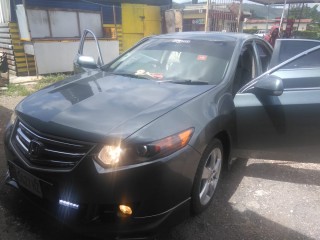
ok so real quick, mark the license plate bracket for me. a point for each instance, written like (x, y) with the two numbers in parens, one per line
(28, 181)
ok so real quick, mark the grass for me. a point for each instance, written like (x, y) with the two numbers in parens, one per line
(17, 90)
(47, 80)
(25, 90)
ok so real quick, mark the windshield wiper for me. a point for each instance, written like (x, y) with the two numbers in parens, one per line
(130, 75)
(187, 82)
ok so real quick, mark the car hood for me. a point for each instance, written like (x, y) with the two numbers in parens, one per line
(90, 107)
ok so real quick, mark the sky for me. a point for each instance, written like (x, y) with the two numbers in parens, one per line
(182, 1)
(245, 1)
(204, 1)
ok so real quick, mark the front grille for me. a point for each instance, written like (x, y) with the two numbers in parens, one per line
(47, 152)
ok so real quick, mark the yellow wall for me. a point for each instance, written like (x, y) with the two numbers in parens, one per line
(138, 21)
(152, 21)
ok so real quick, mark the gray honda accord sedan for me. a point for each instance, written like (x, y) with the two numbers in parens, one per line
(129, 147)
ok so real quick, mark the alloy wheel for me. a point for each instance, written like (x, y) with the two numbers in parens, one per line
(210, 175)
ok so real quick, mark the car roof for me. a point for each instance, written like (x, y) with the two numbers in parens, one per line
(209, 36)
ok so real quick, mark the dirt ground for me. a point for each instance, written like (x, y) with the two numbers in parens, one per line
(256, 199)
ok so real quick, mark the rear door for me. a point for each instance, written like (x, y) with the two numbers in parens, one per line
(286, 126)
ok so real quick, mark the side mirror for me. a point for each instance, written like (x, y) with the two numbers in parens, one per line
(82, 62)
(269, 85)
(86, 62)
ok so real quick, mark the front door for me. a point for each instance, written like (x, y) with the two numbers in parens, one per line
(285, 127)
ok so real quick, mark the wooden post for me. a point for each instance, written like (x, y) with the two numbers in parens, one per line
(115, 20)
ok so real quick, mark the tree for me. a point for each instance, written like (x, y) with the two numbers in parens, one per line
(301, 11)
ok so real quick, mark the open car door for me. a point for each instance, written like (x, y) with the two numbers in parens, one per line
(278, 114)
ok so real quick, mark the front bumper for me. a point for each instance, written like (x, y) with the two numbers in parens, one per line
(158, 193)
(97, 221)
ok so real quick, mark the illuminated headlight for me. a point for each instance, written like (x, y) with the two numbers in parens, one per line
(110, 155)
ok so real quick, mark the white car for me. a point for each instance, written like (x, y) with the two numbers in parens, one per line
(261, 33)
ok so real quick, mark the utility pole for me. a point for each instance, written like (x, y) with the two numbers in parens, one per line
(239, 15)
(267, 24)
(282, 16)
(206, 25)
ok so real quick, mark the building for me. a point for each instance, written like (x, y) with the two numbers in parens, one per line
(261, 24)
(222, 16)
(41, 36)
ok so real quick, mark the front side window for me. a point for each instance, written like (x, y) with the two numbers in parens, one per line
(176, 60)
(311, 60)
(303, 72)
(291, 48)
(264, 56)
(246, 68)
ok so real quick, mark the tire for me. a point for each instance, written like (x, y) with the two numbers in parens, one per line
(207, 177)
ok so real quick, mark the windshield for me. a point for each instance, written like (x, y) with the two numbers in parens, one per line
(176, 60)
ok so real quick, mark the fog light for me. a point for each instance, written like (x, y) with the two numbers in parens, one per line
(125, 209)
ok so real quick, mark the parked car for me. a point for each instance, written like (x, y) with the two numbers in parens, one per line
(261, 33)
(134, 145)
